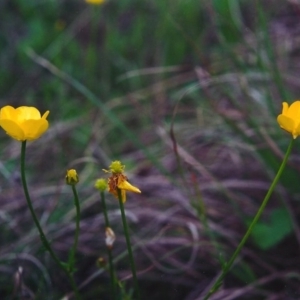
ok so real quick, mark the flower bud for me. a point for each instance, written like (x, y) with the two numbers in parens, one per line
(110, 237)
(101, 262)
(72, 177)
(101, 184)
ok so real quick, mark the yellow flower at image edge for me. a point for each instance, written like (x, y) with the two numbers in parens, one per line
(289, 119)
(23, 123)
(72, 177)
(96, 2)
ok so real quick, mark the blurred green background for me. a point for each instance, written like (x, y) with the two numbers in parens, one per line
(186, 94)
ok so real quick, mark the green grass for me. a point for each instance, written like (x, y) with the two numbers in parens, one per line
(116, 78)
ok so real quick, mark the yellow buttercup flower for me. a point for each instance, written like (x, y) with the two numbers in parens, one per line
(72, 177)
(118, 180)
(23, 123)
(96, 2)
(289, 119)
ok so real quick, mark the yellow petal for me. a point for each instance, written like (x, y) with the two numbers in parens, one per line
(33, 129)
(8, 112)
(12, 129)
(286, 123)
(294, 111)
(125, 185)
(44, 124)
(296, 131)
(285, 108)
(45, 115)
(28, 113)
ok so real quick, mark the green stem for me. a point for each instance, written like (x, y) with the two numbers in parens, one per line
(37, 223)
(201, 211)
(227, 267)
(104, 209)
(74, 248)
(35, 219)
(130, 254)
(109, 251)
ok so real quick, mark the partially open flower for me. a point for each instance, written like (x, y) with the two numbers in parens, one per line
(72, 177)
(118, 180)
(289, 119)
(23, 123)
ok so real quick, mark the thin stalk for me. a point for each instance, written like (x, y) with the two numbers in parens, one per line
(201, 211)
(109, 251)
(129, 249)
(37, 223)
(227, 267)
(74, 248)
(28, 199)
(107, 224)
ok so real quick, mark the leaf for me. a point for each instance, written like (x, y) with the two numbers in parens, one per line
(268, 234)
